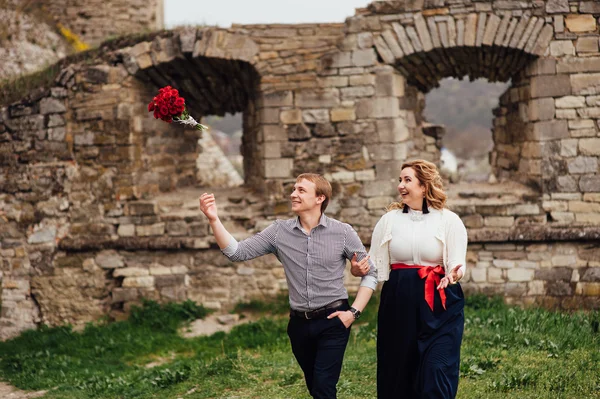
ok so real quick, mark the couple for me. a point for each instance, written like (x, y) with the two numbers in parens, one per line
(418, 248)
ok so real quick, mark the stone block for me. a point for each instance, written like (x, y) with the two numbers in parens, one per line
(364, 58)
(566, 114)
(520, 275)
(551, 86)
(581, 124)
(124, 294)
(278, 168)
(278, 99)
(315, 116)
(177, 228)
(295, 133)
(589, 146)
(274, 133)
(580, 23)
(558, 288)
(590, 184)
(52, 106)
(473, 221)
(584, 207)
(389, 85)
(591, 274)
(478, 275)
(159, 270)
(392, 130)
(156, 229)
(541, 66)
(554, 274)
(272, 149)
(290, 116)
(559, 48)
(343, 114)
(495, 275)
(365, 40)
(126, 230)
(365, 175)
(379, 202)
(582, 165)
(168, 280)
(142, 208)
(541, 109)
(138, 282)
(109, 259)
(131, 272)
(557, 6)
(587, 44)
(548, 130)
(570, 102)
(503, 264)
(317, 99)
(343, 176)
(378, 107)
(499, 221)
(585, 84)
(589, 7)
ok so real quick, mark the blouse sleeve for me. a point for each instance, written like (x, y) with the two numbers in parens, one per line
(456, 239)
(377, 253)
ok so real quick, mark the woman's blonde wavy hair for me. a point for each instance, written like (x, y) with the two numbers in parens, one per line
(429, 176)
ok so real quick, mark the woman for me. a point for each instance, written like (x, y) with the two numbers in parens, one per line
(419, 249)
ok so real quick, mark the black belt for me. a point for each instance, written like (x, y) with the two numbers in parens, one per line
(319, 313)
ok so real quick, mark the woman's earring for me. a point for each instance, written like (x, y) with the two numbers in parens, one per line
(425, 209)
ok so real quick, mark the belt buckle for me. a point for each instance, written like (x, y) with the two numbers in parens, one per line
(306, 315)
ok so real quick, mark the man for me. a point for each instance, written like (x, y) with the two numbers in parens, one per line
(313, 249)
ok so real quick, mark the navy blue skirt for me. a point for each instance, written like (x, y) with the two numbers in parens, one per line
(418, 350)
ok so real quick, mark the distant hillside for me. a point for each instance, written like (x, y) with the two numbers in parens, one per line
(465, 108)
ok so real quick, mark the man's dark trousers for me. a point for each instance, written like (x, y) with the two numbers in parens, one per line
(318, 345)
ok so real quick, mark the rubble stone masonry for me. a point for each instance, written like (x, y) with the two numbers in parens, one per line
(99, 201)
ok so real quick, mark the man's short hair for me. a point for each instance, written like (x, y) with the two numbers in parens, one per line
(322, 187)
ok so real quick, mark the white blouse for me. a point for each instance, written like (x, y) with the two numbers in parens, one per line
(414, 239)
(445, 227)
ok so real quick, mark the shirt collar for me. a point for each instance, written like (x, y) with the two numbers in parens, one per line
(323, 221)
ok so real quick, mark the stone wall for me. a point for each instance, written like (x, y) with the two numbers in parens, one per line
(94, 21)
(99, 200)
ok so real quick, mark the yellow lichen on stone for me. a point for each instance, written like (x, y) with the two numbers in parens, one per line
(72, 38)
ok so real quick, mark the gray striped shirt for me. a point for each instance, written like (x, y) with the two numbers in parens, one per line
(314, 263)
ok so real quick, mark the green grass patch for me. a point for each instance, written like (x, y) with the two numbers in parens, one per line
(507, 352)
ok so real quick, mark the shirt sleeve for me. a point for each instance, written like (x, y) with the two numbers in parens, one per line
(262, 243)
(354, 245)
(456, 238)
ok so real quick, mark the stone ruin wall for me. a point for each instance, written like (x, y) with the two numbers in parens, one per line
(99, 201)
(94, 21)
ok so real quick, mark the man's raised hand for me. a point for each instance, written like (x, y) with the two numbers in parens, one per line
(208, 206)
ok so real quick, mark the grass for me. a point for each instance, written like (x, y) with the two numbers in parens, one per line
(507, 352)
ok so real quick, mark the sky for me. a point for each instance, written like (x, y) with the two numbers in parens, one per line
(225, 12)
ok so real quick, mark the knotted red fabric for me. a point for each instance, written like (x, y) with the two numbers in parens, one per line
(432, 275)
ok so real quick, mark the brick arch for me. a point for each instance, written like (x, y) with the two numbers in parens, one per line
(430, 45)
(484, 45)
(215, 71)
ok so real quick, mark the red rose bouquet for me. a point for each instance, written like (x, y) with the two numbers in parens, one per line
(169, 107)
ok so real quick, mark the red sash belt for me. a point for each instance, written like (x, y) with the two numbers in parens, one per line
(432, 276)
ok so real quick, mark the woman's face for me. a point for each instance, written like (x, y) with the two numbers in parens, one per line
(410, 189)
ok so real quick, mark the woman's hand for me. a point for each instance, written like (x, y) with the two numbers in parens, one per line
(359, 269)
(455, 275)
(345, 316)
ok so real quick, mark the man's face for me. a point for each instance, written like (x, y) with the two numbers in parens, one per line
(304, 197)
